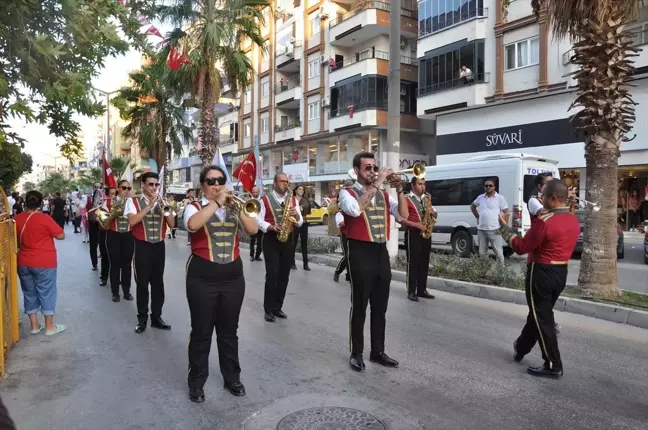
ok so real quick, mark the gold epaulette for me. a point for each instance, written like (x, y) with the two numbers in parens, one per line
(546, 216)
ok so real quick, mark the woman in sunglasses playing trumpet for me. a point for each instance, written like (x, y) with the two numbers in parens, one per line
(215, 282)
(119, 242)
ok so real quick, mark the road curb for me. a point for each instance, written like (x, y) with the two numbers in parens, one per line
(604, 311)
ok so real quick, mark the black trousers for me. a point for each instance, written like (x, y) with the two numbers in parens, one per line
(417, 250)
(149, 269)
(301, 232)
(105, 258)
(279, 257)
(342, 265)
(120, 250)
(60, 220)
(543, 285)
(77, 224)
(215, 294)
(256, 239)
(93, 234)
(370, 278)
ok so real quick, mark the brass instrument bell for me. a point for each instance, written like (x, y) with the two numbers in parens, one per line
(248, 205)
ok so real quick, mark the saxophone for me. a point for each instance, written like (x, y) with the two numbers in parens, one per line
(286, 219)
(428, 219)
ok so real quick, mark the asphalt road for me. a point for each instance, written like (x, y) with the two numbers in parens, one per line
(456, 369)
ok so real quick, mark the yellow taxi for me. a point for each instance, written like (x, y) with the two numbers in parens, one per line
(318, 214)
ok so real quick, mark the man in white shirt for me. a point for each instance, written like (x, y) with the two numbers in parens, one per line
(535, 201)
(366, 211)
(279, 256)
(487, 209)
(11, 199)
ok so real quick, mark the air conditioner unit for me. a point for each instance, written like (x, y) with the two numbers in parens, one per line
(323, 13)
(323, 59)
(324, 102)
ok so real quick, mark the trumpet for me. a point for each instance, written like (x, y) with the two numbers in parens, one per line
(585, 203)
(243, 202)
(418, 171)
(167, 210)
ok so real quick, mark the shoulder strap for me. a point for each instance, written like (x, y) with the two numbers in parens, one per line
(23, 229)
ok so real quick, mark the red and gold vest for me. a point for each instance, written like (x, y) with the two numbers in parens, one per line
(153, 227)
(274, 210)
(373, 224)
(217, 241)
(119, 224)
(415, 209)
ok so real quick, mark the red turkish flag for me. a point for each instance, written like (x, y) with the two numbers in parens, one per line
(246, 172)
(109, 178)
(154, 32)
(176, 59)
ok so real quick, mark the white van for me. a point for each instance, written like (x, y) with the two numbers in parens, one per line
(455, 186)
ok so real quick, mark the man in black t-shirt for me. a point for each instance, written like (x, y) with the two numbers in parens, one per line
(58, 210)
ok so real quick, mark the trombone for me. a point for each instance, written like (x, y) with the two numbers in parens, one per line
(243, 202)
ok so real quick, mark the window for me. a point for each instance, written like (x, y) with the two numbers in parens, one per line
(264, 125)
(442, 71)
(436, 15)
(369, 92)
(265, 89)
(522, 54)
(314, 25)
(247, 130)
(313, 110)
(458, 191)
(313, 68)
(248, 96)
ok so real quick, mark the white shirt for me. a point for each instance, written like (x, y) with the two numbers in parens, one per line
(534, 205)
(260, 219)
(350, 206)
(11, 202)
(190, 210)
(130, 206)
(339, 219)
(489, 209)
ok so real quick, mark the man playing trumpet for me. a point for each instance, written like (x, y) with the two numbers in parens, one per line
(149, 225)
(366, 210)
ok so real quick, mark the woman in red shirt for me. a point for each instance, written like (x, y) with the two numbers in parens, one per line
(37, 263)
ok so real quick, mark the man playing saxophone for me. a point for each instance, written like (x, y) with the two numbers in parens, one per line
(418, 239)
(278, 217)
(119, 242)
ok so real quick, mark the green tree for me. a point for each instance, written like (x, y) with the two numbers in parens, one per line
(213, 42)
(28, 186)
(49, 52)
(156, 113)
(55, 182)
(118, 165)
(89, 178)
(13, 164)
(603, 52)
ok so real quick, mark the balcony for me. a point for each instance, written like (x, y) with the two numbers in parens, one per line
(287, 58)
(367, 21)
(455, 93)
(442, 30)
(370, 114)
(288, 132)
(288, 92)
(231, 117)
(371, 63)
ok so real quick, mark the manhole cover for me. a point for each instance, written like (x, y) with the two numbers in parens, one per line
(330, 418)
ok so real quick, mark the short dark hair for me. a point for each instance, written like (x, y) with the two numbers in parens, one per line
(360, 155)
(414, 179)
(556, 188)
(58, 194)
(540, 177)
(110, 188)
(121, 182)
(206, 170)
(148, 175)
(14, 194)
(33, 199)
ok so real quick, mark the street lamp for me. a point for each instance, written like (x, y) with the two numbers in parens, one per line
(107, 94)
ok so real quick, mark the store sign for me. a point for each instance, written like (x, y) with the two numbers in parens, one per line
(296, 172)
(406, 161)
(546, 133)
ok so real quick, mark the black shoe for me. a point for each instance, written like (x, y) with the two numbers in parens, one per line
(336, 277)
(159, 323)
(517, 357)
(357, 363)
(116, 298)
(128, 296)
(103, 283)
(294, 266)
(542, 371)
(280, 314)
(251, 258)
(140, 328)
(383, 359)
(236, 388)
(425, 295)
(412, 297)
(269, 316)
(197, 396)
(94, 268)
(306, 268)
(348, 277)
(258, 259)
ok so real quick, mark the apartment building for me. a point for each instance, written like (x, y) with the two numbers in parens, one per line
(319, 92)
(517, 94)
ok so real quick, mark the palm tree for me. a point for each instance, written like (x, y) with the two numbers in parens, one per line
(156, 114)
(603, 51)
(213, 43)
(118, 165)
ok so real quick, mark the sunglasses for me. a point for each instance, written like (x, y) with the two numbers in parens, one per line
(370, 167)
(488, 186)
(126, 188)
(153, 184)
(213, 181)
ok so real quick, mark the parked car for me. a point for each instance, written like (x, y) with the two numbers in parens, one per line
(620, 242)
(318, 214)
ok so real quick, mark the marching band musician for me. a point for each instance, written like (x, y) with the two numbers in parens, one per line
(550, 243)
(256, 239)
(103, 250)
(215, 283)
(417, 248)
(278, 256)
(148, 226)
(366, 212)
(119, 242)
(535, 201)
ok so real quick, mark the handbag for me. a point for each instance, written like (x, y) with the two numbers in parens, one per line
(23, 229)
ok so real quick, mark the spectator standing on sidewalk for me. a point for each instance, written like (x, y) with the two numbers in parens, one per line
(302, 231)
(58, 210)
(487, 208)
(256, 239)
(37, 263)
